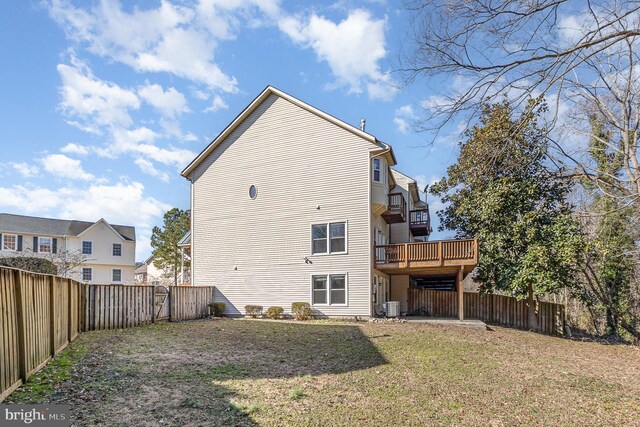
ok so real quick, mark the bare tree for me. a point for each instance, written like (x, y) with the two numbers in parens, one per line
(517, 48)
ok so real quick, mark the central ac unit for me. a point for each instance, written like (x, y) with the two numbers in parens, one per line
(393, 308)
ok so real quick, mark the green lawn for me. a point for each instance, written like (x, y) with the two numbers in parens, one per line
(244, 372)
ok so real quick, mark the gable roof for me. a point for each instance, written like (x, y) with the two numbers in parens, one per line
(22, 224)
(186, 239)
(268, 91)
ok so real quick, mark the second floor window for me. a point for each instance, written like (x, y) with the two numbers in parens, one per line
(87, 274)
(329, 238)
(117, 249)
(9, 242)
(45, 244)
(377, 170)
(87, 248)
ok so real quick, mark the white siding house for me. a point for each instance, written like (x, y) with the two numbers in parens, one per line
(108, 250)
(286, 205)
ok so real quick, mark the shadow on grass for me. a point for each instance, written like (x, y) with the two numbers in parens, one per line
(186, 373)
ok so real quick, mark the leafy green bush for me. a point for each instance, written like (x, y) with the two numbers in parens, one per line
(301, 310)
(217, 308)
(253, 310)
(275, 312)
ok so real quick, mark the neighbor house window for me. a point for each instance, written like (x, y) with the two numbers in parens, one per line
(87, 274)
(117, 249)
(329, 289)
(9, 242)
(116, 275)
(329, 238)
(87, 247)
(45, 244)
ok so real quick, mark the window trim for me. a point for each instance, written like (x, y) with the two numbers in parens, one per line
(2, 248)
(39, 244)
(82, 274)
(328, 225)
(373, 170)
(328, 290)
(112, 247)
(112, 279)
(82, 247)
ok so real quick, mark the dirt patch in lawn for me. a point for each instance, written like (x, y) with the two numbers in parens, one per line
(243, 372)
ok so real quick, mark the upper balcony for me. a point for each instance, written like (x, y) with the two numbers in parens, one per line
(396, 209)
(444, 256)
(420, 222)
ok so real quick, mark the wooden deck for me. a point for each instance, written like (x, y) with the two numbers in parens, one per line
(437, 257)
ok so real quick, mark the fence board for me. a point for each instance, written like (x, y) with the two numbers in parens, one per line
(496, 309)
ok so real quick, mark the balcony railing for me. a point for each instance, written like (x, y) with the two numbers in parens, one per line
(420, 222)
(427, 254)
(396, 209)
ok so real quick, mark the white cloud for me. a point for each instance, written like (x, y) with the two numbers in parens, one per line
(147, 167)
(217, 104)
(353, 49)
(170, 102)
(72, 148)
(139, 141)
(25, 170)
(176, 39)
(95, 102)
(404, 116)
(65, 167)
(122, 203)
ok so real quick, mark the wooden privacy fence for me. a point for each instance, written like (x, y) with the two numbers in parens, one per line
(40, 314)
(495, 309)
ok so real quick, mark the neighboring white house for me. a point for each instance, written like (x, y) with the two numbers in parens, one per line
(291, 204)
(109, 249)
(149, 274)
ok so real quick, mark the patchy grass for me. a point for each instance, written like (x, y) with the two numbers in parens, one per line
(243, 372)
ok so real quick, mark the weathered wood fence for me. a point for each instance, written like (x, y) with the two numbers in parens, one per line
(495, 309)
(40, 314)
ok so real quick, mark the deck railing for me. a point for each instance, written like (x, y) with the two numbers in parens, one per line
(442, 250)
(419, 217)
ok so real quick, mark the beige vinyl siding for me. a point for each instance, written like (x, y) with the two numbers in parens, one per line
(399, 232)
(254, 251)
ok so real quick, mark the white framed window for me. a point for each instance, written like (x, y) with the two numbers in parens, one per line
(45, 244)
(329, 238)
(377, 170)
(87, 274)
(9, 242)
(87, 247)
(329, 289)
(116, 249)
(116, 275)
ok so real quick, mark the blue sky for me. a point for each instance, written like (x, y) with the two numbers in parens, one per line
(103, 103)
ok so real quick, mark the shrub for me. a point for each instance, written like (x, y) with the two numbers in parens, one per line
(253, 310)
(275, 312)
(301, 310)
(33, 264)
(217, 308)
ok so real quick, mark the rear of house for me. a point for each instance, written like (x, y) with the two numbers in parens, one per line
(291, 204)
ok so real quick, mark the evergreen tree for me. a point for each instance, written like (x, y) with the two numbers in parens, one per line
(164, 241)
(502, 192)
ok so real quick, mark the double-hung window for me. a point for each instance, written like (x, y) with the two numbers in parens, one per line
(87, 247)
(377, 170)
(116, 275)
(117, 249)
(329, 238)
(9, 242)
(329, 289)
(45, 244)
(87, 274)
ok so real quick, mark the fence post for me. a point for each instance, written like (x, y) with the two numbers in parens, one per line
(52, 314)
(22, 351)
(153, 304)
